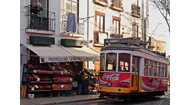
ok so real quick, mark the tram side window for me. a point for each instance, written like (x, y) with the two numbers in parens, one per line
(146, 67)
(124, 62)
(162, 70)
(155, 63)
(150, 65)
(165, 70)
(158, 69)
(102, 61)
(135, 64)
(111, 59)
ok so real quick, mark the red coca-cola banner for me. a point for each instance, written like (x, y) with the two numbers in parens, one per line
(114, 79)
(153, 84)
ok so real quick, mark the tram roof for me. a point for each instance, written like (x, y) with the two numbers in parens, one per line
(131, 48)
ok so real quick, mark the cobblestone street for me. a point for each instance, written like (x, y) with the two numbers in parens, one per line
(158, 100)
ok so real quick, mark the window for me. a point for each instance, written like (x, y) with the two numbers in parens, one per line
(135, 64)
(124, 62)
(155, 64)
(158, 69)
(102, 61)
(100, 21)
(145, 67)
(150, 66)
(43, 5)
(162, 70)
(135, 30)
(165, 70)
(116, 25)
(71, 6)
(117, 3)
(111, 61)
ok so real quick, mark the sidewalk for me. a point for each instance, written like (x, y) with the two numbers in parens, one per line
(57, 100)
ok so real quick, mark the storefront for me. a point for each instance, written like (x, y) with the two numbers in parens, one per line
(51, 70)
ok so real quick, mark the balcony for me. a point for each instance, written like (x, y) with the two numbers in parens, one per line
(117, 5)
(135, 11)
(101, 2)
(116, 35)
(79, 28)
(43, 23)
(99, 38)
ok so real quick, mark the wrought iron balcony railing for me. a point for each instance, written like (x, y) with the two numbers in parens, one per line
(44, 20)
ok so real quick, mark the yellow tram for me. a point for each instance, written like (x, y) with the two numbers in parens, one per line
(127, 69)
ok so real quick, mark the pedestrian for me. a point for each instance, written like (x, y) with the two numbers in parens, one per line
(80, 82)
(34, 11)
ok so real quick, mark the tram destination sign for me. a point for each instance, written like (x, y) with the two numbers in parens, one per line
(122, 41)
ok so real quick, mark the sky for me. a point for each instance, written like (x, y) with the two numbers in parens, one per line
(161, 32)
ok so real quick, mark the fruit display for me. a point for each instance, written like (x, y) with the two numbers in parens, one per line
(44, 78)
(91, 72)
(39, 86)
(31, 78)
(61, 86)
(54, 78)
(64, 78)
(35, 75)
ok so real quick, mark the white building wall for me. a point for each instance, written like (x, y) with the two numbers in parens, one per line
(57, 7)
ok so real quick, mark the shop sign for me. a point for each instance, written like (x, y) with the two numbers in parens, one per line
(53, 59)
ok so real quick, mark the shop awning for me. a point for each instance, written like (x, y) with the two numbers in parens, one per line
(83, 54)
(55, 53)
(50, 53)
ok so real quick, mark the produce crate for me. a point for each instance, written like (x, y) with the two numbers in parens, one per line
(33, 79)
(22, 91)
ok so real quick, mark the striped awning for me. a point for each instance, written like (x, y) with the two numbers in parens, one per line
(55, 53)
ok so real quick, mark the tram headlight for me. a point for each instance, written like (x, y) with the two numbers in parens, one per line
(109, 84)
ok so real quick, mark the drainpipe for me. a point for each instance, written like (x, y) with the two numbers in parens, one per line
(48, 14)
(142, 20)
(87, 23)
(144, 31)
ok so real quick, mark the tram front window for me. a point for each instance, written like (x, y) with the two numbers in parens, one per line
(124, 62)
(111, 59)
(102, 61)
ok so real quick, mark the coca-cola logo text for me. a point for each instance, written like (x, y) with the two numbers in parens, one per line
(111, 77)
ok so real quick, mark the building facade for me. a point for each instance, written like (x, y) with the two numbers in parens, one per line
(157, 45)
(96, 20)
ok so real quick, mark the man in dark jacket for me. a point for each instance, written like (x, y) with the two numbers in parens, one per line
(80, 82)
(35, 10)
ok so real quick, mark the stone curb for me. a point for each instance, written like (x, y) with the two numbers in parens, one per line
(52, 103)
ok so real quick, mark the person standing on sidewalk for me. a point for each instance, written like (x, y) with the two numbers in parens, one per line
(35, 10)
(80, 82)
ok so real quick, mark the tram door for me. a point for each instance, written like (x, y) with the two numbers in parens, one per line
(135, 73)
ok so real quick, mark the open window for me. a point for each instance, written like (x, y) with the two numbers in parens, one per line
(102, 61)
(111, 61)
(124, 62)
